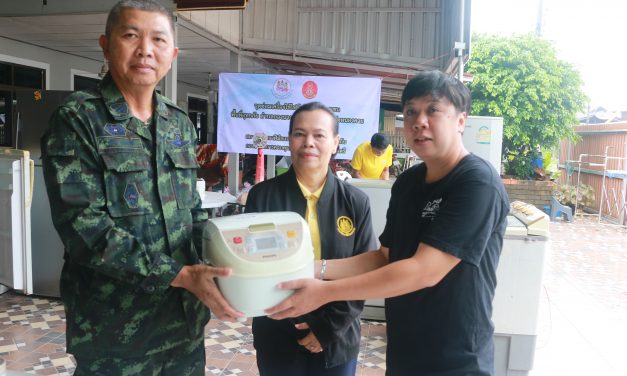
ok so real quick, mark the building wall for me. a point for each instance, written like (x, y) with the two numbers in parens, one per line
(58, 65)
(395, 134)
(534, 192)
(182, 90)
(394, 31)
(223, 23)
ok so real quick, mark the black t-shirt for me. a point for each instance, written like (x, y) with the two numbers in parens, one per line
(446, 329)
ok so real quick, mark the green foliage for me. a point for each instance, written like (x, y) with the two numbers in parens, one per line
(568, 195)
(520, 79)
(549, 162)
(520, 165)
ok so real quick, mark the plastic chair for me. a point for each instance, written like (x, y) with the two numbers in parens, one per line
(410, 160)
(558, 209)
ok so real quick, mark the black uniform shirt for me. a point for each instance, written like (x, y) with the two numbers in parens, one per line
(345, 230)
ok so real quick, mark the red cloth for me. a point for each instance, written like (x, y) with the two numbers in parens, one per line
(208, 157)
(212, 166)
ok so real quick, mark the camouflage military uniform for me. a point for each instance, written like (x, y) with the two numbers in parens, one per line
(123, 201)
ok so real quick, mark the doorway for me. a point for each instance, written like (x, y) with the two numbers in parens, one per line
(197, 112)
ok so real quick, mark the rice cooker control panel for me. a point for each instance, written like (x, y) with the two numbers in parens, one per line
(280, 241)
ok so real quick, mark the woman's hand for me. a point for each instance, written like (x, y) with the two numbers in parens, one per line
(310, 342)
(308, 295)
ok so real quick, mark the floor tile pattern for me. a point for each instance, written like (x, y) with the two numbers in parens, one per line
(32, 340)
(581, 331)
(593, 257)
(583, 310)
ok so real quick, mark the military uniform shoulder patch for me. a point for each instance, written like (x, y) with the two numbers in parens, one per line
(121, 108)
(345, 226)
(174, 138)
(178, 142)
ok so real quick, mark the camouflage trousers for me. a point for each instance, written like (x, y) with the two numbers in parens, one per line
(188, 360)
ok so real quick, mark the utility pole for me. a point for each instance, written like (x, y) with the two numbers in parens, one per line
(460, 46)
(540, 18)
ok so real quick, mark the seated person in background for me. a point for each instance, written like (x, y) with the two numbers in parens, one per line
(372, 160)
(396, 168)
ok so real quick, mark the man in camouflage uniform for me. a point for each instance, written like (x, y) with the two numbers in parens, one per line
(120, 168)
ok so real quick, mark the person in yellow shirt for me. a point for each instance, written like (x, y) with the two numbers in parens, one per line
(372, 160)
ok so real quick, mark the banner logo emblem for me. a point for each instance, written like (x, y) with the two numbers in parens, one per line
(310, 90)
(282, 88)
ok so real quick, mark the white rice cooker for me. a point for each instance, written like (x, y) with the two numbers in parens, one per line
(263, 249)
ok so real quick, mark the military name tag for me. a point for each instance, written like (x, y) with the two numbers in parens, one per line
(119, 143)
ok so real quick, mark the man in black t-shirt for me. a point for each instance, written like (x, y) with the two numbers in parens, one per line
(439, 250)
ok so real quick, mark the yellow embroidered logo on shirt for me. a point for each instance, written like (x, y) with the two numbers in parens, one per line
(345, 226)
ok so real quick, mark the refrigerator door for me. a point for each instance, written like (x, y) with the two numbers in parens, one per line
(483, 136)
(34, 110)
(16, 177)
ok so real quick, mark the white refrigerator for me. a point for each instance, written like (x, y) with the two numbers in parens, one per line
(483, 136)
(42, 249)
(16, 193)
(379, 193)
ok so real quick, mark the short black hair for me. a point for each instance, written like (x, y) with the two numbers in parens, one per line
(312, 106)
(145, 5)
(437, 85)
(379, 141)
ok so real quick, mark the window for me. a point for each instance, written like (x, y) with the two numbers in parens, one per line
(84, 83)
(15, 77)
(27, 77)
(5, 74)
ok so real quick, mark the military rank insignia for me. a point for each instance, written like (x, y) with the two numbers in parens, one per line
(115, 129)
(131, 196)
(345, 226)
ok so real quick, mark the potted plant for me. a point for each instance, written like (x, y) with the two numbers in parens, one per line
(569, 195)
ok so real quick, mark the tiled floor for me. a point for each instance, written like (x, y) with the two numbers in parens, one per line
(583, 311)
(582, 322)
(32, 339)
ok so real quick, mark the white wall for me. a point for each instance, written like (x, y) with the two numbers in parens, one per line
(224, 23)
(183, 89)
(60, 65)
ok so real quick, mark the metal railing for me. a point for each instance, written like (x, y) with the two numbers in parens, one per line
(398, 143)
(610, 202)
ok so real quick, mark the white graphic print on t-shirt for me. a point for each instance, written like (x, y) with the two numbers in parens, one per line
(431, 209)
